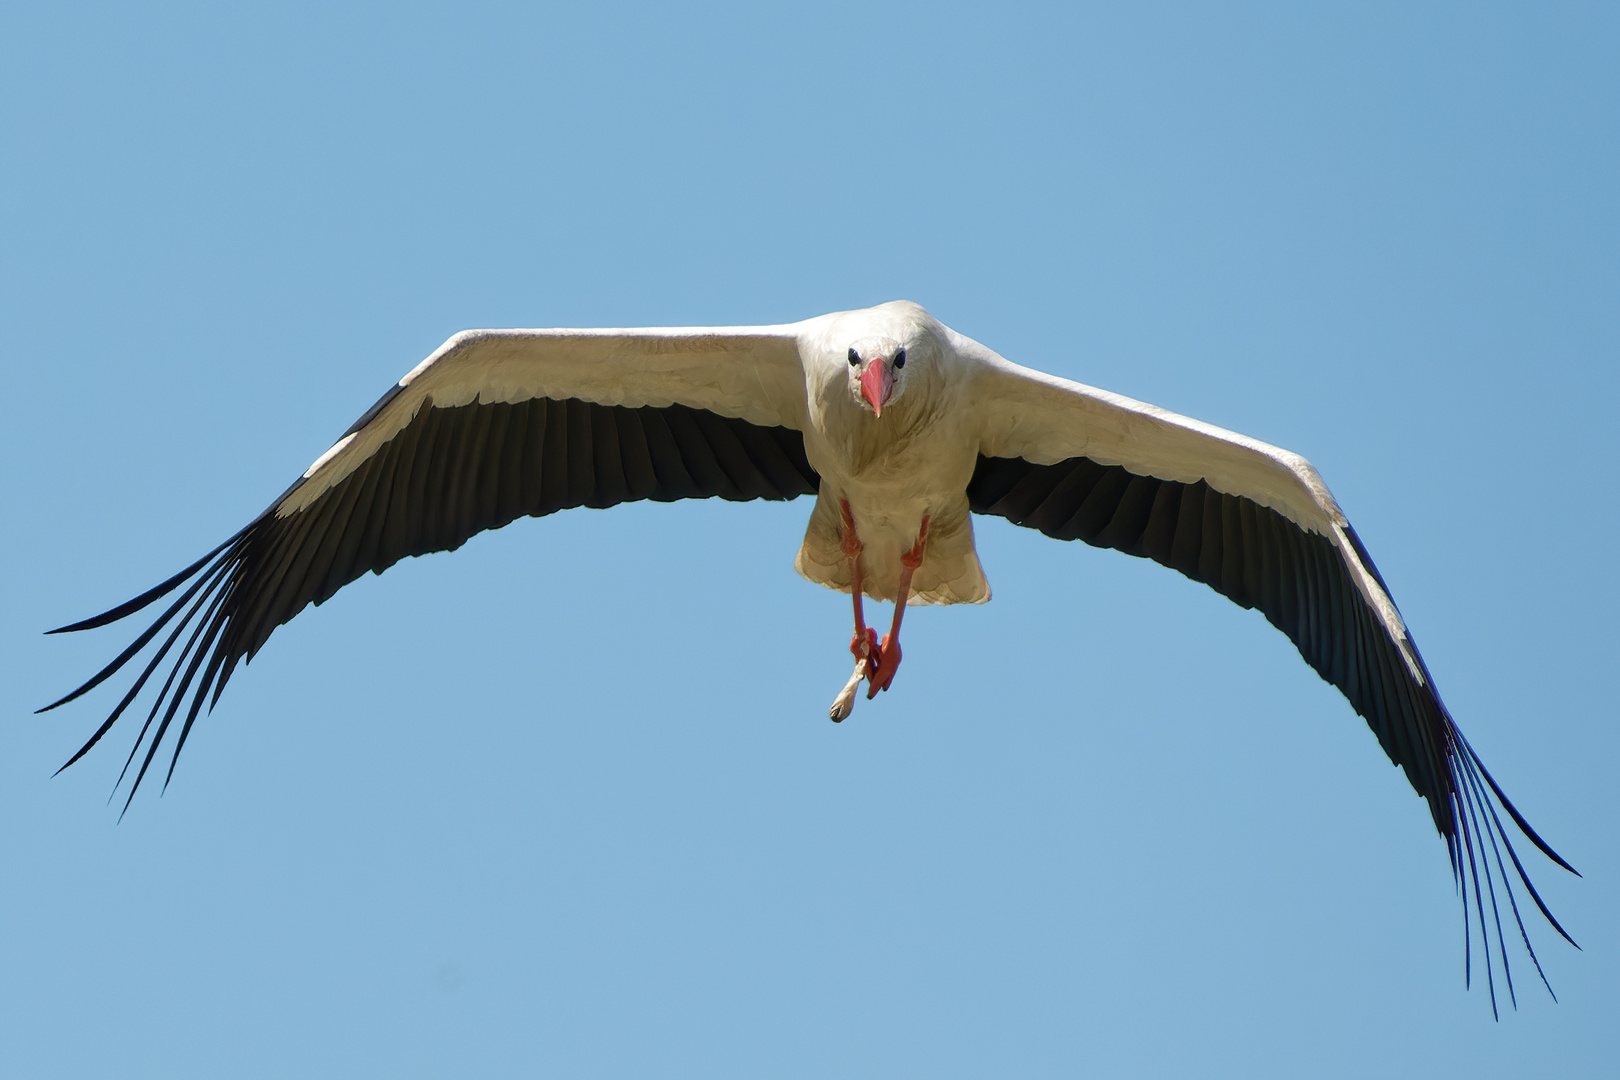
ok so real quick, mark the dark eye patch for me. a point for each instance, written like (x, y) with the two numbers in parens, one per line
(854, 357)
(900, 358)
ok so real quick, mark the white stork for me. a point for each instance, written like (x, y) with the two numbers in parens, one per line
(901, 429)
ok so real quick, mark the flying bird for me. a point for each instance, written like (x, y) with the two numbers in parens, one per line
(901, 430)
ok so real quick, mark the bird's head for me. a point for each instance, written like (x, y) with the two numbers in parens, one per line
(877, 372)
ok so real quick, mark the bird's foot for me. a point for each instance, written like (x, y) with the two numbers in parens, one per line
(868, 662)
(888, 662)
(867, 652)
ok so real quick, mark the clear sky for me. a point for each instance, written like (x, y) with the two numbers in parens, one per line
(566, 802)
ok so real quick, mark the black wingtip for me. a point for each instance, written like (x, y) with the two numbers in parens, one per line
(129, 607)
(207, 581)
(1476, 798)
(1513, 812)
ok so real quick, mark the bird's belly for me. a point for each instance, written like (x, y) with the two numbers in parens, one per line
(889, 499)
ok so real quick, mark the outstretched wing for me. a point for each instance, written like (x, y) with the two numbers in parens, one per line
(1257, 525)
(493, 426)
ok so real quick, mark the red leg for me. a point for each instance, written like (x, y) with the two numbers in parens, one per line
(888, 653)
(864, 645)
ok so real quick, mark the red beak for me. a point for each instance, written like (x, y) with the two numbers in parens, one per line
(877, 383)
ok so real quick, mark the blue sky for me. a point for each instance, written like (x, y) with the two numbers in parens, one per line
(566, 802)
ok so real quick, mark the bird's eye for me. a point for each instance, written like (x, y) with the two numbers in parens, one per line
(900, 358)
(854, 358)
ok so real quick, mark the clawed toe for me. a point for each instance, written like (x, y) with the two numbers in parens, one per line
(888, 662)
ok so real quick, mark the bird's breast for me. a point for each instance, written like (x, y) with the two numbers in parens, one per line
(890, 467)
